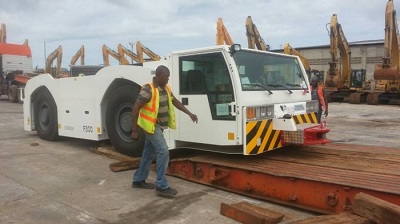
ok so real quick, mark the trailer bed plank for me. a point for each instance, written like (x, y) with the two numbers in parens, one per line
(332, 171)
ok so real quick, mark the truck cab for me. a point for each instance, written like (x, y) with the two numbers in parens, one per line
(247, 101)
(241, 97)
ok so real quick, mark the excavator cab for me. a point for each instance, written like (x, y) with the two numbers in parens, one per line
(357, 78)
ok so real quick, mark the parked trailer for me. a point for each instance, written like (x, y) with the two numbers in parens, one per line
(248, 102)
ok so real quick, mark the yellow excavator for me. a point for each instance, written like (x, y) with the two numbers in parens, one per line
(387, 74)
(141, 49)
(122, 51)
(338, 78)
(223, 36)
(341, 82)
(56, 54)
(79, 54)
(254, 38)
(107, 52)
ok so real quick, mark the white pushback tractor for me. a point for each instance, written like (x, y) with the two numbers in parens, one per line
(247, 101)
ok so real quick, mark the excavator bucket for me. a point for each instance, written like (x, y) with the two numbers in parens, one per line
(332, 77)
(387, 72)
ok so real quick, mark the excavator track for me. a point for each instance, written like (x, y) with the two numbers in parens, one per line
(358, 97)
(323, 178)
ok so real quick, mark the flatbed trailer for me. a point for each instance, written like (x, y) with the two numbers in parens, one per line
(321, 178)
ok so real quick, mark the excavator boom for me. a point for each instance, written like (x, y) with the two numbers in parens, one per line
(3, 33)
(389, 69)
(222, 34)
(338, 42)
(57, 53)
(106, 52)
(122, 51)
(140, 49)
(287, 49)
(253, 36)
(79, 54)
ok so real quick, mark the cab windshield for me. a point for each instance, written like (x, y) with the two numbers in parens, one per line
(261, 71)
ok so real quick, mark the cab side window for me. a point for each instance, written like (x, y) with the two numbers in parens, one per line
(207, 74)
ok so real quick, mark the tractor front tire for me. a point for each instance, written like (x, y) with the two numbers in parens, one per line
(119, 121)
(46, 116)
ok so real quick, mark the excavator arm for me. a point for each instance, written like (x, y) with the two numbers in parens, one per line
(3, 35)
(79, 54)
(140, 49)
(57, 53)
(338, 42)
(253, 36)
(106, 52)
(389, 69)
(287, 49)
(122, 51)
(222, 34)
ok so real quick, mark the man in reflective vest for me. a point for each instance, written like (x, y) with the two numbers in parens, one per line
(153, 111)
(318, 93)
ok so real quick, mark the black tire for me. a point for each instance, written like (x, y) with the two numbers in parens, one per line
(19, 96)
(46, 116)
(12, 94)
(119, 121)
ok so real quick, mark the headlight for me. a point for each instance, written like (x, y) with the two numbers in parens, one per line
(259, 113)
(312, 106)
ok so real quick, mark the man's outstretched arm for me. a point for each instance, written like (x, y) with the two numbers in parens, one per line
(182, 108)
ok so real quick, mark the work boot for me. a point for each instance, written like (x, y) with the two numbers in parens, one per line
(142, 184)
(168, 192)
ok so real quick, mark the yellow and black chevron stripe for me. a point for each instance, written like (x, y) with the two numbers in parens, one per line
(310, 118)
(260, 137)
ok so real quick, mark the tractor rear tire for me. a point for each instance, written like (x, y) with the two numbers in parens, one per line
(119, 121)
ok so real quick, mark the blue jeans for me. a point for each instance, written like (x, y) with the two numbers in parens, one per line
(156, 147)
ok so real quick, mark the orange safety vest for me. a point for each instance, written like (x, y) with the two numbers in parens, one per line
(321, 97)
(148, 113)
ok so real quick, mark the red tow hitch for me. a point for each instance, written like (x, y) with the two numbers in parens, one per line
(306, 134)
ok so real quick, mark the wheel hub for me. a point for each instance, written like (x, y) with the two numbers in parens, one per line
(44, 116)
(126, 121)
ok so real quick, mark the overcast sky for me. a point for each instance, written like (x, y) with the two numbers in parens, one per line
(168, 25)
